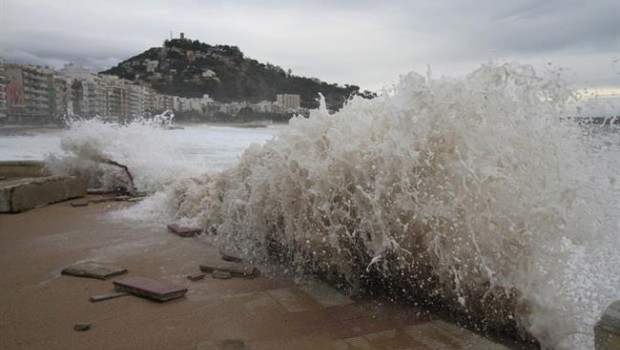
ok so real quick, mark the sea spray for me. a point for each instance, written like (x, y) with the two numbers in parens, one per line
(90, 146)
(471, 192)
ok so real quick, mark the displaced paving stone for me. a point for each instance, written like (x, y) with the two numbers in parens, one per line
(93, 269)
(102, 297)
(151, 289)
(234, 268)
(79, 204)
(81, 327)
(196, 276)
(221, 275)
(184, 231)
(232, 257)
(607, 330)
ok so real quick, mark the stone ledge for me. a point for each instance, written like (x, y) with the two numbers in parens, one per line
(22, 169)
(24, 194)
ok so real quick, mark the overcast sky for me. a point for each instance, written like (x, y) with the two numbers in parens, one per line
(367, 43)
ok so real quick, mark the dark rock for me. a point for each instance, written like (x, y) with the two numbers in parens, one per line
(81, 327)
(149, 288)
(93, 269)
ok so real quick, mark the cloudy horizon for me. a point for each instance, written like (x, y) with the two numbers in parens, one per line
(365, 43)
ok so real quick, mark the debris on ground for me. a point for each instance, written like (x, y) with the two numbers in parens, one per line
(184, 231)
(151, 289)
(81, 327)
(102, 297)
(234, 268)
(196, 276)
(229, 256)
(93, 269)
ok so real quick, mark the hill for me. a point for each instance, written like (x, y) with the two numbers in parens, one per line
(189, 68)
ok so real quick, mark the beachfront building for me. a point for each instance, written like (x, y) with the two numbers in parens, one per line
(289, 101)
(2, 91)
(29, 92)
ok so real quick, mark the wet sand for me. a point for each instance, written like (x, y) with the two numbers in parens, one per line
(39, 307)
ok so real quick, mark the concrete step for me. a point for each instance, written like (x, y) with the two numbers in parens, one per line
(23, 194)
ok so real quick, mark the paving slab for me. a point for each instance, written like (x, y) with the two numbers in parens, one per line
(151, 289)
(236, 269)
(93, 269)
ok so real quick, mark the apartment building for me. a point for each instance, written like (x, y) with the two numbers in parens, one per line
(2, 90)
(289, 101)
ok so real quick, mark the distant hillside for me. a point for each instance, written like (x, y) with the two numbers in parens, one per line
(191, 69)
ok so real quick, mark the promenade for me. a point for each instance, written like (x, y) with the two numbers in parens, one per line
(39, 307)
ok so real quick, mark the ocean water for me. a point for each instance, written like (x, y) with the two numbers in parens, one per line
(472, 193)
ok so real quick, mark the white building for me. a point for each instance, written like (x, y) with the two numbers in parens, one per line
(289, 101)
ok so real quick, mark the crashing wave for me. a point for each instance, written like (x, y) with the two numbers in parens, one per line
(468, 193)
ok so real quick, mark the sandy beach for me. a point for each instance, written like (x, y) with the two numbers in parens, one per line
(40, 306)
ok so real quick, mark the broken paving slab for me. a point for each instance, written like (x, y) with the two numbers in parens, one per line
(234, 268)
(196, 276)
(102, 297)
(151, 289)
(184, 231)
(93, 269)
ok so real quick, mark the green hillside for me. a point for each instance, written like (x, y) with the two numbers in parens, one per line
(191, 69)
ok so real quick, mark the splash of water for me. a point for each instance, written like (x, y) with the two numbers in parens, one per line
(152, 160)
(472, 192)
